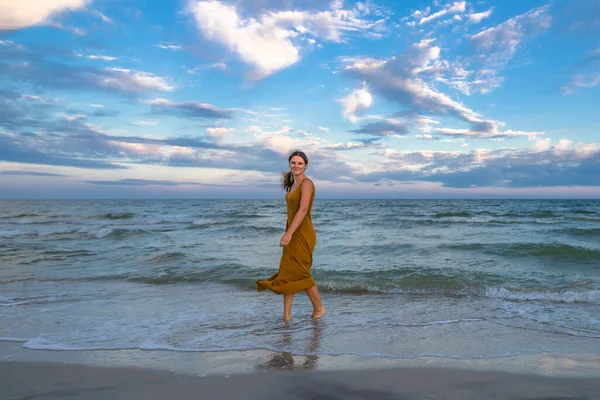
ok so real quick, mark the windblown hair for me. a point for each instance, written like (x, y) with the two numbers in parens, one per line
(288, 178)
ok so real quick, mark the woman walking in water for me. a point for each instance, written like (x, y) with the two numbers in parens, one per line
(298, 242)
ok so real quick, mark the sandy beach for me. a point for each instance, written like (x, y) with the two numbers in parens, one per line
(20, 381)
(135, 374)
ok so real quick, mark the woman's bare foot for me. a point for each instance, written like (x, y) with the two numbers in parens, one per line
(287, 318)
(318, 313)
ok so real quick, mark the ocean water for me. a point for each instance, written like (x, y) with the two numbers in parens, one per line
(466, 279)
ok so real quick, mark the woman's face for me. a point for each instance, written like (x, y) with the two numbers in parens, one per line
(297, 165)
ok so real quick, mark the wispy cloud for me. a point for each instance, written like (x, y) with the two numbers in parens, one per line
(408, 80)
(102, 17)
(142, 182)
(497, 45)
(189, 109)
(173, 47)
(20, 64)
(476, 18)
(29, 173)
(587, 73)
(98, 57)
(558, 165)
(449, 9)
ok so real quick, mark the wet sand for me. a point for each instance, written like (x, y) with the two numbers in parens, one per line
(260, 374)
(33, 381)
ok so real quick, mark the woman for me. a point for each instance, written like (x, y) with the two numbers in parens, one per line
(298, 242)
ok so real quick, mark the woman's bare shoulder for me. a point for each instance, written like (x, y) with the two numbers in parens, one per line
(307, 183)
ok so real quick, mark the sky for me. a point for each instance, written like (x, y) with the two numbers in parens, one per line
(389, 99)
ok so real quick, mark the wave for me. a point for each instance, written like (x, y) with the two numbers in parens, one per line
(581, 232)
(203, 223)
(251, 229)
(589, 296)
(453, 214)
(408, 281)
(405, 281)
(22, 215)
(243, 215)
(542, 250)
(583, 212)
(113, 216)
(545, 214)
(166, 257)
(119, 233)
(556, 250)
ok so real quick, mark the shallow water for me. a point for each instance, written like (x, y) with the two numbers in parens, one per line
(400, 278)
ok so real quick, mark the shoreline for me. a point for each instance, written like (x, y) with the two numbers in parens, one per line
(31, 380)
(251, 361)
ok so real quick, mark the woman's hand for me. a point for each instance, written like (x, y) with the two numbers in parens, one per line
(285, 239)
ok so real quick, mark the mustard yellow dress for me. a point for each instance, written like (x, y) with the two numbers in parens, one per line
(294, 268)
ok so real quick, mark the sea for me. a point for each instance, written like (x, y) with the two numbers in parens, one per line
(401, 279)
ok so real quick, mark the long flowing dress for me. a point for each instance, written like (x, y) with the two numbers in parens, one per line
(294, 268)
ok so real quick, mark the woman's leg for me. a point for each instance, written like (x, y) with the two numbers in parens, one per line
(315, 299)
(287, 306)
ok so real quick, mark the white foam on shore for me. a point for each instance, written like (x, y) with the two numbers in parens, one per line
(13, 339)
(590, 296)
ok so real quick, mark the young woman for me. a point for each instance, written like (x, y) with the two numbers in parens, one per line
(298, 242)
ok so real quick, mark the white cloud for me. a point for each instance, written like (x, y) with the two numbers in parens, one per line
(456, 7)
(478, 17)
(192, 109)
(127, 80)
(103, 17)
(492, 134)
(563, 145)
(588, 74)
(499, 43)
(356, 103)
(399, 79)
(219, 65)
(582, 81)
(346, 146)
(425, 137)
(273, 41)
(169, 47)
(408, 80)
(217, 134)
(322, 129)
(542, 145)
(104, 58)
(98, 57)
(16, 14)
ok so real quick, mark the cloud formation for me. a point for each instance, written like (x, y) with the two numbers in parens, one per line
(408, 80)
(558, 165)
(273, 41)
(19, 64)
(586, 75)
(355, 104)
(453, 8)
(497, 45)
(24, 13)
(189, 109)
(476, 18)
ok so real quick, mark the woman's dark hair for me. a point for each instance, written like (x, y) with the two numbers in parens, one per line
(288, 179)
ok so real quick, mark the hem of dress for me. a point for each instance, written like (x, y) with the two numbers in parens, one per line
(288, 288)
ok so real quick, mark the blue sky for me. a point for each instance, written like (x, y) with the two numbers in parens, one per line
(389, 99)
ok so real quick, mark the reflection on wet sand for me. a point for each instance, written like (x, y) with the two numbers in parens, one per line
(284, 360)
